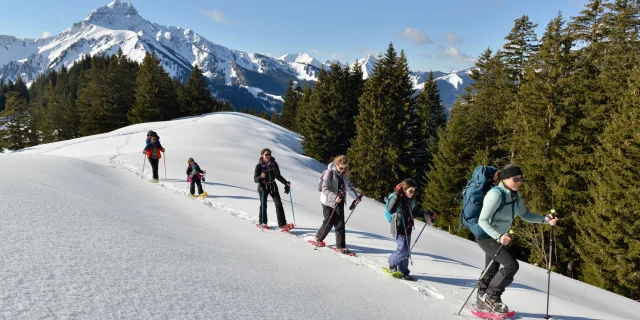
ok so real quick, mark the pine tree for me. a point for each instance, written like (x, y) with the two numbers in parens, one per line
(54, 116)
(3, 90)
(355, 86)
(121, 91)
(92, 98)
(385, 107)
(302, 108)
(431, 117)
(608, 235)
(148, 105)
(323, 116)
(226, 106)
(522, 44)
(16, 120)
(21, 87)
(275, 118)
(196, 97)
(290, 107)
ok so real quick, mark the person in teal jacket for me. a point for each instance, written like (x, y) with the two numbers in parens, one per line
(496, 224)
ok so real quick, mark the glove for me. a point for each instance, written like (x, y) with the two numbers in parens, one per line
(287, 189)
(355, 202)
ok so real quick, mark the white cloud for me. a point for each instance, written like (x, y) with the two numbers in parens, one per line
(316, 52)
(339, 56)
(46, 34)
(216, 15)
(452, 37)
(455, 54)
(414, 35)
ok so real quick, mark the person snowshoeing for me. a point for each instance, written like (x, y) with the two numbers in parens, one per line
(152, 151)
(194, 177)
(265, 175)
(496, 224)
(401, 210)
(335, 183)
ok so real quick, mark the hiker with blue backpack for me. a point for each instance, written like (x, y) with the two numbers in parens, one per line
(400, 211)
(265, 175)
(335, 186)
(489, 213)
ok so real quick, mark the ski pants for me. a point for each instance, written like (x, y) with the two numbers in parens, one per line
(195, 180)
(336, 221)
(154, 167)
(496, 280)
(275, 195)
(400, 258)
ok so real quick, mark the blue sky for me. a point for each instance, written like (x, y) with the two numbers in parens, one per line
(435, 35)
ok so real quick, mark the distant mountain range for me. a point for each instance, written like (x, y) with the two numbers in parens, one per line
(245, 79)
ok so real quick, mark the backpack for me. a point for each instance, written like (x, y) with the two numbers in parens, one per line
(472, 197)
(321, 178)
(387, 214)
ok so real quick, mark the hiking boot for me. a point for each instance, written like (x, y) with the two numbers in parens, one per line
(408, 278)
(480, 294)
(393, 269)
(495, 304)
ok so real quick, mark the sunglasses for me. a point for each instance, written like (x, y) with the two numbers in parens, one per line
(411, 191)
(268, 154)
(342, 168)
(517, 180)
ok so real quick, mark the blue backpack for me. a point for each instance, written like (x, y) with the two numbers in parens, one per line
(386, 208)
(472, 197)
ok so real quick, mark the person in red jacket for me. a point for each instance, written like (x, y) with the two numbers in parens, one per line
(152, 150)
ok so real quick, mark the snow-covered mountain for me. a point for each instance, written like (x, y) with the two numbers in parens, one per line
(450, 84)
(245, 79)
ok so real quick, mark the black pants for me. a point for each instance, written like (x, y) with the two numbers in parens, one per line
(275, 195)
(154, 167)
(496, 279)
(195, 180)
(336, 221)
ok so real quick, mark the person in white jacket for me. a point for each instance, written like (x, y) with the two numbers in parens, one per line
(335, 185)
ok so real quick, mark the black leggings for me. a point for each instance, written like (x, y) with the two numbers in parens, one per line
(496, 279)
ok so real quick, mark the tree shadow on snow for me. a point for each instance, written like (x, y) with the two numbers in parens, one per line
(469, 283)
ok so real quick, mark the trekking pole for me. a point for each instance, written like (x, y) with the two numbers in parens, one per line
(549, 265)
(354, 208)
(292, 212)
(482, 276)
(262, 205)
(406, 239)
(419, 234)
(165, 165)
(144, 162)
(327, 224)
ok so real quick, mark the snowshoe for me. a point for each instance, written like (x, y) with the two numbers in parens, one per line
(319, 244)
(490, 309)
(344, 251)
(262, 226)
(155, 181)
(392, 272)
(203, 195)
(286, 227)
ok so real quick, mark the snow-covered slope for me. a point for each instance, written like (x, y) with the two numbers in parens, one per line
(98, 240)
(451, 84)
